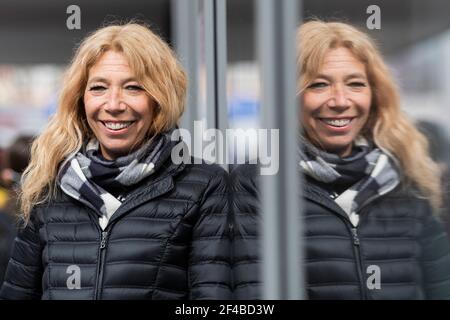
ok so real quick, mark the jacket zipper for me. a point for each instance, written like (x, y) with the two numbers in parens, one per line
(357, 249)
(101, 265)
(356, 240)
(104, 236)
(359, 267)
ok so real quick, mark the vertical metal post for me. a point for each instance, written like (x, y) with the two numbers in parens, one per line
(209, 60)
(200, 38)
(221, 64)
(215, 56)
(282, 254)
(186, 33)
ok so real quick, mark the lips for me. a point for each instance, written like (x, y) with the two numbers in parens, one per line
(337, 123)
(117, 125)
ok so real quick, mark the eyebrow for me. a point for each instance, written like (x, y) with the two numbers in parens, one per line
(356, 75)
(101, 79)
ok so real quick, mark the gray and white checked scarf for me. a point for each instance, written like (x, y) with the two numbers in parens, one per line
(100, 183)
(366, 174)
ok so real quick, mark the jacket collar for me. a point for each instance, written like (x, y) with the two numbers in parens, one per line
(154, 186)
(150, 190)
(317, 195)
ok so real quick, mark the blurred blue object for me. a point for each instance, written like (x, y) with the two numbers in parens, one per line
(50, 108)
(240, 107)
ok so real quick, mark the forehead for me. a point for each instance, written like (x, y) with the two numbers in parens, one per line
(341, 59)
(111, 62)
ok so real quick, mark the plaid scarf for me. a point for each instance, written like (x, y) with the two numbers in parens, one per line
(364, 175)
(101, 184)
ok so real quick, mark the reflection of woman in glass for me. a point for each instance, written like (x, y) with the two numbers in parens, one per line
(109, 215)
(370, 185)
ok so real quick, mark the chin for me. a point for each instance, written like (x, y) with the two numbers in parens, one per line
(116, 150)
(337, 148)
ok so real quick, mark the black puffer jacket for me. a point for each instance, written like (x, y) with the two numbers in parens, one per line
(7, 234)
(397, 233)
(169, 240)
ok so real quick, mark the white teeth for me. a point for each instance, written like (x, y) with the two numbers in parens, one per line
(117, 125)
(337, 123)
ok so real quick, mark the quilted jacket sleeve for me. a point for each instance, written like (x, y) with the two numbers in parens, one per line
(209, 260)
(7, 235)
(246, 246)
(436, 259)
(24, 272)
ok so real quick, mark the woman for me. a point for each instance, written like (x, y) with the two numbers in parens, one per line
(109, 215)
(371, 190)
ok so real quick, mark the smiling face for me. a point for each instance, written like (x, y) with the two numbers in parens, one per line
(336, 104)
(118, 109)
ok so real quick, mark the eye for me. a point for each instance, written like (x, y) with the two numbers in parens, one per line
(317, 85)
(357, 84)
(134, 88)
(97, 88)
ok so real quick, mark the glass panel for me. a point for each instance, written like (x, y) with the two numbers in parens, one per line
(244, 104)
(413, 39)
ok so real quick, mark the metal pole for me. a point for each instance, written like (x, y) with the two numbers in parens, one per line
(200, 40)
(210, 62)
(282, 267)
(186, 36)
(221, 71)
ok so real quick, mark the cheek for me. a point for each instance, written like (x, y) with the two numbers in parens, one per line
(90, 111)
(148, 110)
(367, 112)
(365, 106)
(90, 119)
(146, 115)
(307, 108)
(88, 106)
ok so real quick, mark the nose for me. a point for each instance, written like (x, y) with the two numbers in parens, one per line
(115, 103)
(339, 98)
